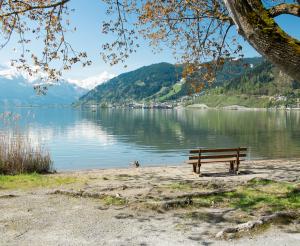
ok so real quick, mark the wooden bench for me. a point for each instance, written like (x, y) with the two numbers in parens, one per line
(205, 156)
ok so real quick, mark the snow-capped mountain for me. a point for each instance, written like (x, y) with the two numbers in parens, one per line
(18, 89)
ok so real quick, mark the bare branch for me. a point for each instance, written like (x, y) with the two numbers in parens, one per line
(284, 8)
(30, 8)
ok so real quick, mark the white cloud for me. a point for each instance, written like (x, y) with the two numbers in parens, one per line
(93, 81)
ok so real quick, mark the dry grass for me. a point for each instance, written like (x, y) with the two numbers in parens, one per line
(18, 155)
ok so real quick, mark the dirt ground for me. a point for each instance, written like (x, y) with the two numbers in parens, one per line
(132, 207)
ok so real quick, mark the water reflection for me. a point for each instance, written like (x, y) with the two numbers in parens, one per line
(268, 134)
(115, 137)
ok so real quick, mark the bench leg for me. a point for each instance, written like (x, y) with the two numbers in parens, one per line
(199, 166)
(237, 167)
(195, 168)
(231, 168)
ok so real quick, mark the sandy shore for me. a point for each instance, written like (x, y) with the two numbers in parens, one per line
(128, 207)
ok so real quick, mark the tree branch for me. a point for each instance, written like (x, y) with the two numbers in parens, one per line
(284, 8)
(264, 34)
(29, 8)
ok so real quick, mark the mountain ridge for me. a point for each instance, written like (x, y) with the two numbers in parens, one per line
(157, 82)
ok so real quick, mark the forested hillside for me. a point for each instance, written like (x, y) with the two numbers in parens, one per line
(262, 86)
(142, 84)
(163, 82)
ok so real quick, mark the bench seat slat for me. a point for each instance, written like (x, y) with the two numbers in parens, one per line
(213, 161)
(196, 157)
(216, 150)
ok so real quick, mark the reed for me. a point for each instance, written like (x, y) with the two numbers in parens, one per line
(18, 155)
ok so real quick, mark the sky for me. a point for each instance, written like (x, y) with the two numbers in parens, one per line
(87, 19)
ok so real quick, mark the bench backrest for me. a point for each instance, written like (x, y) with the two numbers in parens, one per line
(217, 153)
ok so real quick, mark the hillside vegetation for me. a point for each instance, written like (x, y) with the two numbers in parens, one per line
(263, 86)
(250, 82)
(146, 83)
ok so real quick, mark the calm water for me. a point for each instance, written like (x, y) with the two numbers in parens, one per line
(80, 139)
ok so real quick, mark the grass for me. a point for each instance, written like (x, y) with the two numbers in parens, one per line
(258, 194)
(174, 90)
(112, 200)
(266, 194)
(18, 155)
(34, 180)
(228, 100)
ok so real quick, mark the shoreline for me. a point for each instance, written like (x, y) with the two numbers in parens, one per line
(191, 106)
(238, 108)
(161, 205)
(229, 108)
(158, 166)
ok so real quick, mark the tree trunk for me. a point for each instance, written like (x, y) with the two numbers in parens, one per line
(255, 24)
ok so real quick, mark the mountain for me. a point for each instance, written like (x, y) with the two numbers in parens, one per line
(17, 90)
(143, 83)
(263, 86)
(264, 79)
(158, 82)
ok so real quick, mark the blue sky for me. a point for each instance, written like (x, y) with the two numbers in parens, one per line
(88, 17)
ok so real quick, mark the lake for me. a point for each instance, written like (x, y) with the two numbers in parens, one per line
(82, 139)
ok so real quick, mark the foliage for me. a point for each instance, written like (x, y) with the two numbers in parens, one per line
(196, 28)
(42, 20)
(198, 31)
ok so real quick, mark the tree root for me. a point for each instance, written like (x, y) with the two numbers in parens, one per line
(122, 187)
(198, 194)
(80, 193)
(184, 200)
(175, 203)
(8, 196)
(256, 223)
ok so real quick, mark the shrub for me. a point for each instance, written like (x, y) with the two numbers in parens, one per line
(18, 155)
